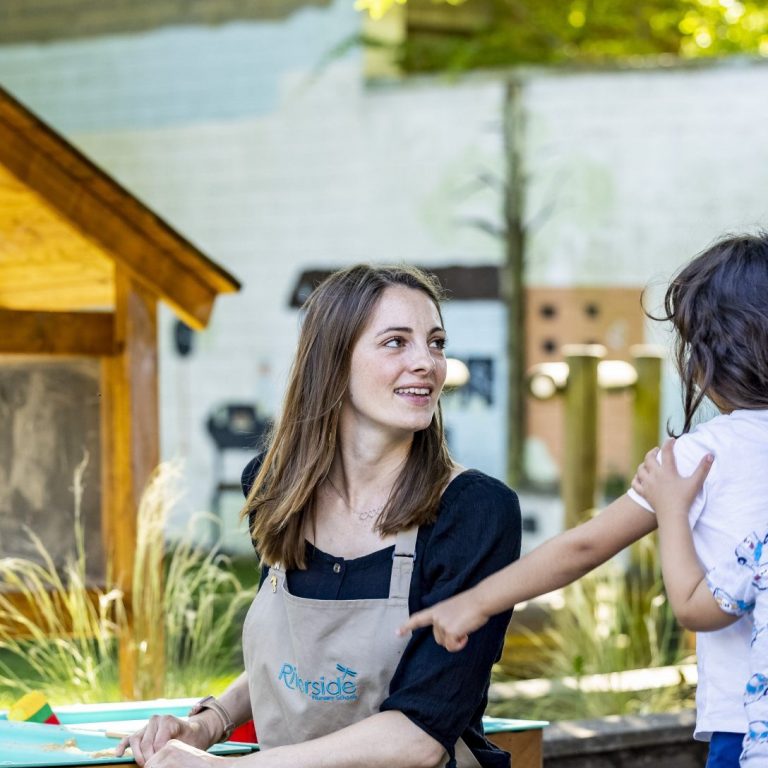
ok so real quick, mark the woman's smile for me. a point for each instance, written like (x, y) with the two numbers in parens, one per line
(419, 396)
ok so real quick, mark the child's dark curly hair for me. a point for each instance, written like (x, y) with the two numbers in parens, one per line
(718, 304)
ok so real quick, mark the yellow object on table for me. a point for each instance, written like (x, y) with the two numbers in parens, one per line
(33, 707)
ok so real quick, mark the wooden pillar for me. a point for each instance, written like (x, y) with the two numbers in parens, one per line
(646, 418)
(130, 441)
(580, 450)
(646, 410)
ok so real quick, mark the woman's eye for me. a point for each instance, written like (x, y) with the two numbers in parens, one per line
(395, 341)
(438, 343)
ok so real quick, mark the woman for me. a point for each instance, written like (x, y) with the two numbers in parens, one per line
(360, 517)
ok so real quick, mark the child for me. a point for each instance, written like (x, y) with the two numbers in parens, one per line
(733, 588)
(718, 306)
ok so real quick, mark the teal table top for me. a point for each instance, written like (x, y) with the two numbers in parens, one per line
(505, 725)
(32, 745)
(35, 745)
(113, 714)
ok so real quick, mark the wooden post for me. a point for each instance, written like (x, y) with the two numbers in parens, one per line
(646, 417)
(580, 454)
(512, 278)
(130, 443)
(646, 410)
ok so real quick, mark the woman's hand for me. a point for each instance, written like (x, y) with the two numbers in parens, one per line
(177, 754)
(452, 620)
(663, 487)
(164, 729)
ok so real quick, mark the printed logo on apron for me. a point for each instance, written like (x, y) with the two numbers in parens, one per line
(342, 687)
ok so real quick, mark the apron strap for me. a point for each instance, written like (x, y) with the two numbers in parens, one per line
(402, 563)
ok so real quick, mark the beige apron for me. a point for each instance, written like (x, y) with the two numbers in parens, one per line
(316, 666)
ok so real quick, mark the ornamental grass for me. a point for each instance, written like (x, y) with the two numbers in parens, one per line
(60, 634)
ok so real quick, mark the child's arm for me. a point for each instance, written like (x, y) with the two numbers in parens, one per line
(671, 496)
(552, 565)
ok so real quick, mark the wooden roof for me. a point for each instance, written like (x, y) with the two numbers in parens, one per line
(65, 226)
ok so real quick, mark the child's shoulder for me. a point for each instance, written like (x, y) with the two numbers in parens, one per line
(726, 429)
(709, 434)
(737, 441)
(716, 436)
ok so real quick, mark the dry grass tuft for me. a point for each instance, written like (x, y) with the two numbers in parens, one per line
(60, 634)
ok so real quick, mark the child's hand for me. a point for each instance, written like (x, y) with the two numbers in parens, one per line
(662, 486)
(452, 620)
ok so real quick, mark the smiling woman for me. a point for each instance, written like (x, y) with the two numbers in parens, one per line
(369, 336)
(360, 517)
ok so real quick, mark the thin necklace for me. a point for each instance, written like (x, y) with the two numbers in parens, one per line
(366, 514)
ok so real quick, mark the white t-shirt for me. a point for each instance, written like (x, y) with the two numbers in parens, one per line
(739, 587)
(732, 504)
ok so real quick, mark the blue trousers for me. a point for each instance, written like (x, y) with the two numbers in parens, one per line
(724, 750)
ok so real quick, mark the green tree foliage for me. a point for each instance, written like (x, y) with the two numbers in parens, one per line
(501, 33)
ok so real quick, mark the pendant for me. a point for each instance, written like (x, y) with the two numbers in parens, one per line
(369, 514)
(273, 582)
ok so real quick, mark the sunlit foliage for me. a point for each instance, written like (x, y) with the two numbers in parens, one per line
(377, 8)
(509, 32)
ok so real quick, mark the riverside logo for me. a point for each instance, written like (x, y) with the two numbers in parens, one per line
(342, 687)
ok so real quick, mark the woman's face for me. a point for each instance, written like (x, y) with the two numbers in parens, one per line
(398, 364)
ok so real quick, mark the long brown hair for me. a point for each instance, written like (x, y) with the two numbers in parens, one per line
(304, 440)
(718, 304)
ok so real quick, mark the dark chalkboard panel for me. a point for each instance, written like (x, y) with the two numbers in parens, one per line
(49, 419)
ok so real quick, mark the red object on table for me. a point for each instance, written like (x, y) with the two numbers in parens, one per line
(245, 733)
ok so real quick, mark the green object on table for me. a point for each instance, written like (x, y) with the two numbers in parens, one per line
(32, 745)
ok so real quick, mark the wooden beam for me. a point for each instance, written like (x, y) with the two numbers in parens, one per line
(155, 256)
(130, 440)
(57, 333)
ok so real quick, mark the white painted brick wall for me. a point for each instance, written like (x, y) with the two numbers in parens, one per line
(644, 168)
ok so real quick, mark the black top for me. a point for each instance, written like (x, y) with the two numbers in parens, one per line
(477, 532)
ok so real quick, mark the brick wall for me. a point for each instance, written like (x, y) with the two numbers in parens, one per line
(642, 169)
(180, 76)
